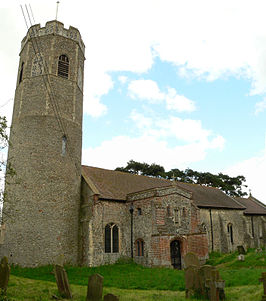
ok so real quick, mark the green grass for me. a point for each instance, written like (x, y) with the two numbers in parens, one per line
(252, 259)
(124, 276)
(22, 289)
(134, 282)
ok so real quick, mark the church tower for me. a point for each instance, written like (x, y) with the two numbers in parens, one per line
(41, 210)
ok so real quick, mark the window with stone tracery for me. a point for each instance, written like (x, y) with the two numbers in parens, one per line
(111, 238)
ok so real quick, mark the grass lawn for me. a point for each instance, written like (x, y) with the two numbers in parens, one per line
(134, 282)
(39, 290)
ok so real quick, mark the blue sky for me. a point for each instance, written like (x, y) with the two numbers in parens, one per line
(178, 83)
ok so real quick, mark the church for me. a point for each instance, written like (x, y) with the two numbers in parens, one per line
(58, 210)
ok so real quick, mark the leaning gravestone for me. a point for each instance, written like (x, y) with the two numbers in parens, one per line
(191, 259)
(62, 282)
(4, 274)
(263, 280)
(95, 288)
(110, 297)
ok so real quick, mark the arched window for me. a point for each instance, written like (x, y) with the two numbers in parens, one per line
(111, 238)
(230, 232)
(63, 66)
(21, 73)
(139, 247)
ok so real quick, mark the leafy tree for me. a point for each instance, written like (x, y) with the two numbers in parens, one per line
(4, 167)
(232, 186)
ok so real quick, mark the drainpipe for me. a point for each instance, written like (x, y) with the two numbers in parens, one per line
(131, 209)
(211, 227)
(252, 226)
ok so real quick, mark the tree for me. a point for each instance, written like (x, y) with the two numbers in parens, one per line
(5, 168)
(232, 186)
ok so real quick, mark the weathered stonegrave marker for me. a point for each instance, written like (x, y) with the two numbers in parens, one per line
(62, 282)
(191, 274)
(215, 284)
(241, 251)
(241, 257)
(95, 288)
(263, 280)
(4, 274)
(202, 281)
(204, 274)
(192, 281)
(191, 259)
(110, 297)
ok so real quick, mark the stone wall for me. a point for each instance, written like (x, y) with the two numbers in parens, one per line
(156, 222)
(167, 214)
(41, 209)
(219, 238)
(255, 231)
(95, 215)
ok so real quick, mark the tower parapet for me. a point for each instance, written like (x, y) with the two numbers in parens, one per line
(55, 28)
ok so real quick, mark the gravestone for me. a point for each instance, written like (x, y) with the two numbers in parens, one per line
(191, 259)
(216, 286)
(4, 274)
(110, 297)
(263, 280)
(95, 288)
(192, 281)
(62, 282)
(241, 257)
(204, 274)
(241, 250)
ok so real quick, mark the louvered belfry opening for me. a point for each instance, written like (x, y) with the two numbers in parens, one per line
(63, 66)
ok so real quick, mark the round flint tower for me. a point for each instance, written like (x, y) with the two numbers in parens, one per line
(41, 210)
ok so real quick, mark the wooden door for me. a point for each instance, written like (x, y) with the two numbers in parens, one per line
(175, 254)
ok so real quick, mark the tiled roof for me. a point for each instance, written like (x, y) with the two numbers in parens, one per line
(115, 185)
(253, 206)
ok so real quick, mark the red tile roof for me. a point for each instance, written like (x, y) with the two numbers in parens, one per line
(115, 185)
(253, 206)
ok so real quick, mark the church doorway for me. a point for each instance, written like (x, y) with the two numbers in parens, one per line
(175, 254)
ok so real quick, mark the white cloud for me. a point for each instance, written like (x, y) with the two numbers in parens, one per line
(140, 120)
(149, 90)
(183, 130)
(260, 106)
(145, 89)
(101, 84)
(254, 171)
(121, 149)
(123, 79)
(150, 144)
(178, 103)
(94, 107)
(213, 39)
